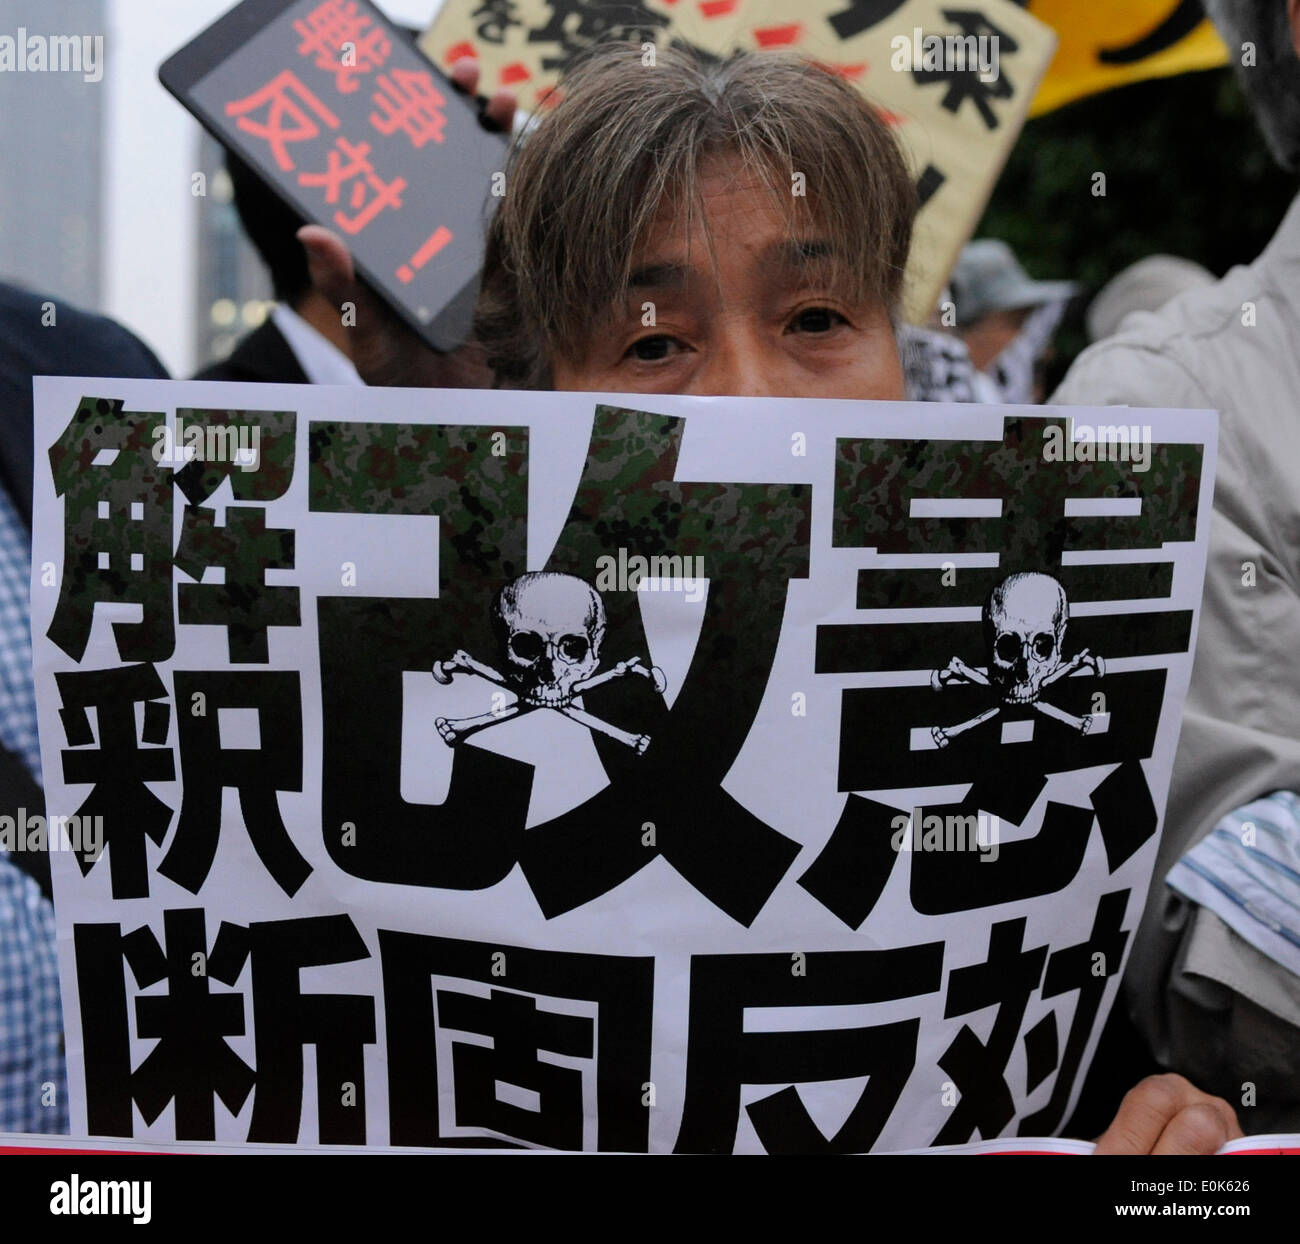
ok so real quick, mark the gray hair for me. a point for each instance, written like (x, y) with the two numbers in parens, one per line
(1272, 83)
(585, 186)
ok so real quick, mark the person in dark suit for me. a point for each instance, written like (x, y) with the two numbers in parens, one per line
(40, 335)
(265, 355)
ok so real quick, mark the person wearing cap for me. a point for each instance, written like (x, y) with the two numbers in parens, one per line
(1143, 286)
(1005, 318)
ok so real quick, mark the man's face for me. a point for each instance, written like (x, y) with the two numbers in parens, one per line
(754, 317)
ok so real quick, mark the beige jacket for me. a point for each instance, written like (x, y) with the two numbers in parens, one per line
(1233, 347)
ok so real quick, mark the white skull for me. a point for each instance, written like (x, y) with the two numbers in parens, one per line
(1024, 622)
(551, 628)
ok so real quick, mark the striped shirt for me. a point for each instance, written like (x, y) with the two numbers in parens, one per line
(1247, 871)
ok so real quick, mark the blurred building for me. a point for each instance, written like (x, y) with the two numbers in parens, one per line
(232, 292)
(52, 198)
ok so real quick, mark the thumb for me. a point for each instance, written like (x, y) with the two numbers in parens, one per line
(329, 263)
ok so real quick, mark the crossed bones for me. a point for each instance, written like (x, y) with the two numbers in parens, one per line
(957, 671)
(454, 730)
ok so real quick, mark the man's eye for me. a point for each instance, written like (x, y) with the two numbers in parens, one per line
(817, 320)
(648, 349)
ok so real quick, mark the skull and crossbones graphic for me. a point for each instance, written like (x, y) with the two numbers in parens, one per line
(1024, 625)
(550, 627)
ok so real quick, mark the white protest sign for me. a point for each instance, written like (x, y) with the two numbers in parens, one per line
(624, 773)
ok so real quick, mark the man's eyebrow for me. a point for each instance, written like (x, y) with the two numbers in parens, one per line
(794, 253)
(658, 276)
(810, 254)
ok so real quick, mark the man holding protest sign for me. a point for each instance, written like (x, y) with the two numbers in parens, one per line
(686, 262)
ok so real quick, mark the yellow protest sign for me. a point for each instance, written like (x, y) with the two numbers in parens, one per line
(956, 82)
(1109, 43)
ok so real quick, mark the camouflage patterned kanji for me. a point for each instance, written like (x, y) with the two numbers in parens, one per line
(474, 479)
(245, 548)
(277, 432)
(116, 557)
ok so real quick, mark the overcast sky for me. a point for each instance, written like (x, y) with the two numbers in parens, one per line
(149, 211)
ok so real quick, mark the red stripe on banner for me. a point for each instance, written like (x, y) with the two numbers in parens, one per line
(458, 51)
(1027, 1153)
(717, 8)
(778, 36)
(851, 72)
(518, 72)
(98, 1153)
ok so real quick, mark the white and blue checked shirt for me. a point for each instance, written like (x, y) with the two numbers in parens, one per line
(17, 690)
(32, 1071)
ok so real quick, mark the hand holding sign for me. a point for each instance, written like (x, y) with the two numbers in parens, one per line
(1168, 1114)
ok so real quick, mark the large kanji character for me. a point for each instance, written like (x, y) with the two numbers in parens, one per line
(192, 1061)
(285, 1019)
(345, 41)
(117, 529)
(1006, 979)
(520, 1030)
(532, 1040)
(119, 767)
(244, 603)
(364, 182)
(408, 101)
(286, 119)
(965, 82)
(257, 774)
(726, 1053)
(888, 733)
(753, 540)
